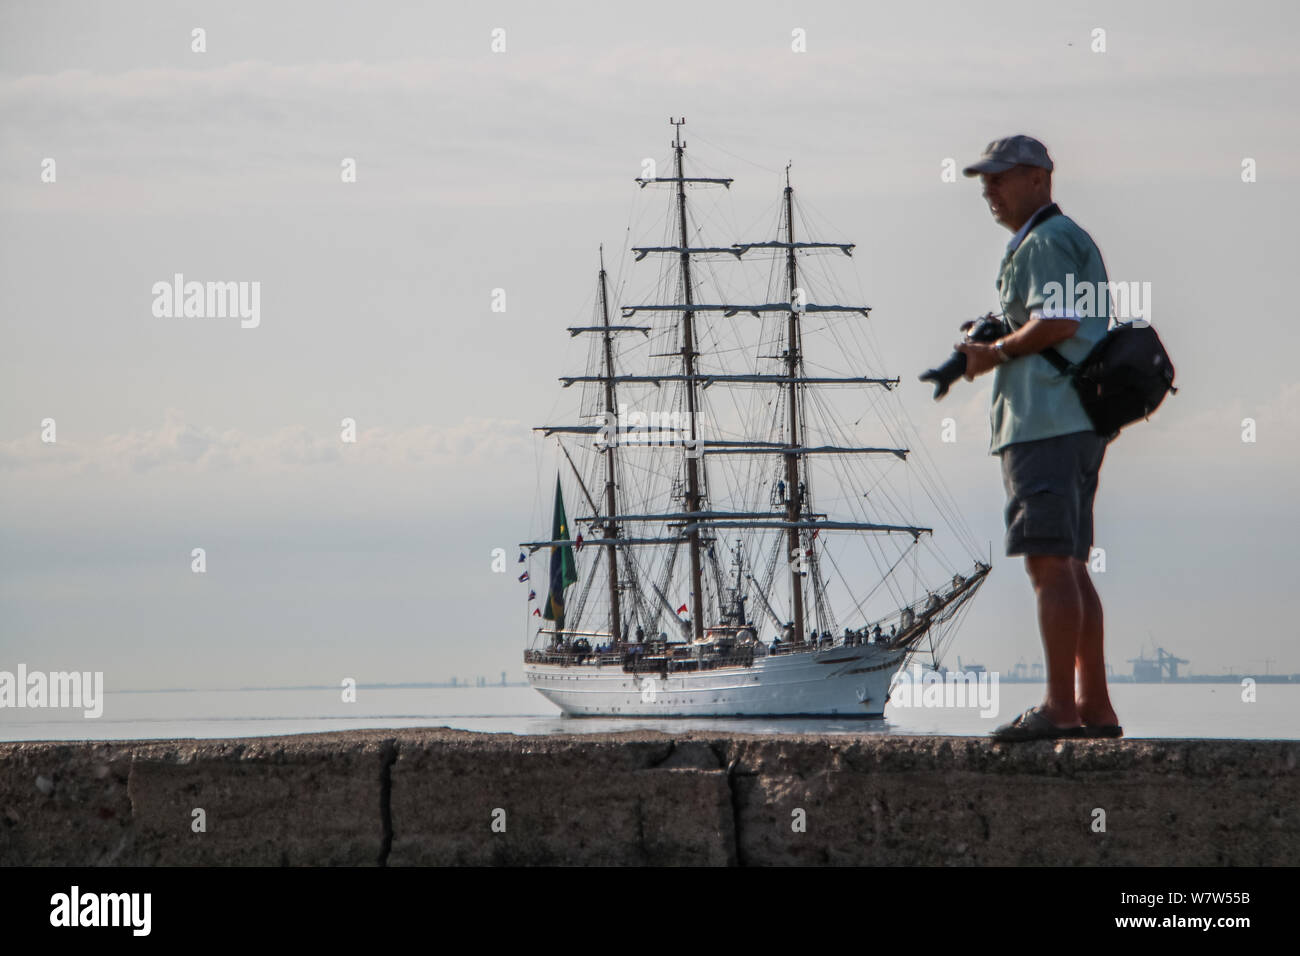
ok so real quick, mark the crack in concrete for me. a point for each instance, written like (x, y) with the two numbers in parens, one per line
(387, 756)
(736, 856)
(672, 747)
(640, 831)
(736, 815)
(128, 835)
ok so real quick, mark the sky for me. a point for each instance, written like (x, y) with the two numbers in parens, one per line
(479, 170)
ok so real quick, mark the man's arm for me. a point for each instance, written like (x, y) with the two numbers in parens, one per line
(1038, 334)
(1034, 336)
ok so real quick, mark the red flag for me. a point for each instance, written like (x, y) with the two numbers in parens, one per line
(578, 543)
(537, 611)
(682, 609)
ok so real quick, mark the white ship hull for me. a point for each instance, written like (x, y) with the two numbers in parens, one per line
(836, 681)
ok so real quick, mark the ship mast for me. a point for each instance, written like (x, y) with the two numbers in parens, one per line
(794, 499)
(688, 369)
(698, 521)
(695, 521)
(611, 419)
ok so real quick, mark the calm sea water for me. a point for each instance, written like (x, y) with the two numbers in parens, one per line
(1145, 710)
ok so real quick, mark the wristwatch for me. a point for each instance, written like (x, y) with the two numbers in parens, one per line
(1002, 352)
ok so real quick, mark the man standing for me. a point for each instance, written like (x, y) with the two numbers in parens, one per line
(1049, 451)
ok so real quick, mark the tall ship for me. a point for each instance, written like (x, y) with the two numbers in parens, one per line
(737, 471)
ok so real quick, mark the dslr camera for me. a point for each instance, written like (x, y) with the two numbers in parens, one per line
(985, 330)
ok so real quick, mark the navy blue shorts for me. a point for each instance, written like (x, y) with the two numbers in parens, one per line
(1050, 485)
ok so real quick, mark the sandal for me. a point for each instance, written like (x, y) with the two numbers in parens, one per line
(1097, 732)
(1032, 725)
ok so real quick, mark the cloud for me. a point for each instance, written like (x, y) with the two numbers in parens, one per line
(178, 447)
(250, 127)
(1212, 438)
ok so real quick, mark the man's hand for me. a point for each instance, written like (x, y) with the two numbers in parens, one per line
(980, 358)
(1034, 336)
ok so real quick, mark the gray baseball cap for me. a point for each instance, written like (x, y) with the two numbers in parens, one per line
(1013, 151)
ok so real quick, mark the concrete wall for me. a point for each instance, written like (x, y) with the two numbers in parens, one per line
(428, 797)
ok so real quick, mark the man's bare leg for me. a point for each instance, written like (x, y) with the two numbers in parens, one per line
(1060, 611)
(1093, 703)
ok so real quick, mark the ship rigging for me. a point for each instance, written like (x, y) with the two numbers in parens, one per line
(771, 477)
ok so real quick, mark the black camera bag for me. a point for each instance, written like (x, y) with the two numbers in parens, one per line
(1125, 377)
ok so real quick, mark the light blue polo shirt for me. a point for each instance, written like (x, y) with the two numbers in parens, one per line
(1031, 399)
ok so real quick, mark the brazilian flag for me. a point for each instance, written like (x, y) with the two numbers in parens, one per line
(563, 570)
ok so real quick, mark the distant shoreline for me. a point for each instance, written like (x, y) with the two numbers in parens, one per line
(333, 687)
(1190, 679)
(1002, 677)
